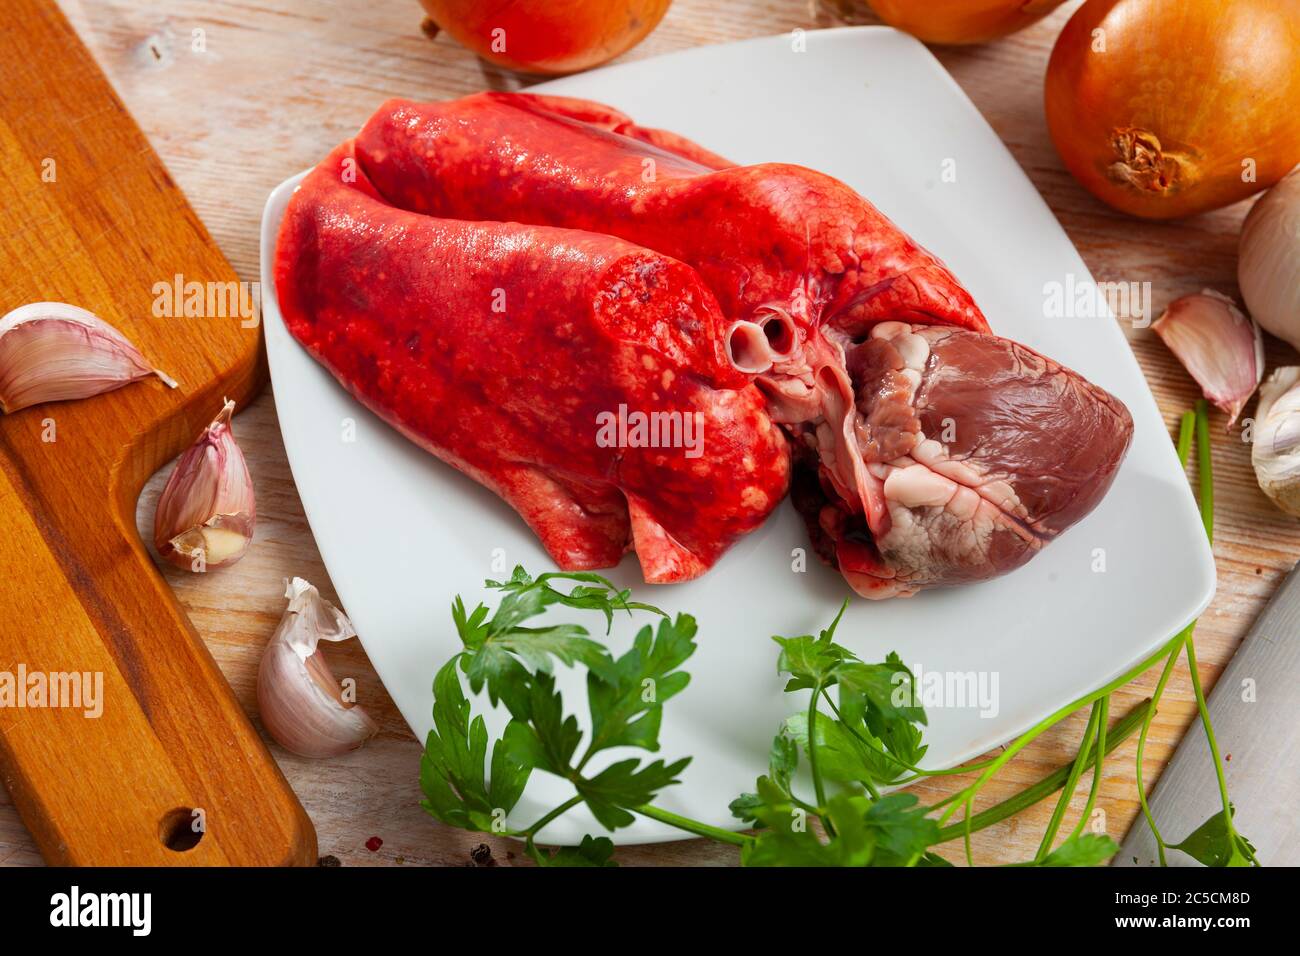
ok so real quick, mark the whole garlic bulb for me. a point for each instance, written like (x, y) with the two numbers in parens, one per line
(1268, 263)
(1275, 452)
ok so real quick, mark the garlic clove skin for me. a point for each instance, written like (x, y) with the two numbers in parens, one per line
(206, 513)
(1220, 346)
(300, 702)
(1268, 261)
(1275, 451)
(52, 352)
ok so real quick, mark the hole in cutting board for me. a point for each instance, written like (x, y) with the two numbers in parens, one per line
(181, 829)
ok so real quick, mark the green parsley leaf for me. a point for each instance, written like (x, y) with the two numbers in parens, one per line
(812, 661)
(547, 740)
(502, 661)
(891, 831)
(624, 785)
(856, 748)
(789, 838)
(783, 760)
(902, 829)
(451, 768)
(592, 851)
(1214, 844)
(888, 688)
(930, 858)
(841, 756)
(502, 651)
(786, 836)
(627, 701)
(1081, 849)
(593, 593)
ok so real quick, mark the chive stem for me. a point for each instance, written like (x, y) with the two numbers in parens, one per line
(1170, 663)
(1205, 467)
(1072, 781)
(1102, 719)
(1045, 787)
(1057, 715)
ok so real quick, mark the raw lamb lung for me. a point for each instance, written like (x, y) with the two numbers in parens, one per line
(501, 348)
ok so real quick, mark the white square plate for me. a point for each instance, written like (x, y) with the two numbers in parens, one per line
(402, 533)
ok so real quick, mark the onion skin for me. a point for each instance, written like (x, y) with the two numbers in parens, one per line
(1160, 124)
(961, 22)
(548, 36)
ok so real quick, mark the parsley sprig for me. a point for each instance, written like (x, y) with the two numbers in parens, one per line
(824, 799)
(514, 662)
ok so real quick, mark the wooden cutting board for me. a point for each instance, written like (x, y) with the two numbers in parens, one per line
(171, 772)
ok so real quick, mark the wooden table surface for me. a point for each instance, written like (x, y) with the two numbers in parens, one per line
(280, 82)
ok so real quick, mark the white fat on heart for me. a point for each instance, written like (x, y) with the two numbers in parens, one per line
(887, 330)
(913, 349)
(916, 486)
(966, 527)
(910, 484)
(928, 479)
(934, 455)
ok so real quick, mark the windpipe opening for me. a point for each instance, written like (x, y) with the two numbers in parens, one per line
(748, 349)
(781, 334)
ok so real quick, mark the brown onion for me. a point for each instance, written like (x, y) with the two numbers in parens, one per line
(962, 21)
(1168, 108)
(547, 36)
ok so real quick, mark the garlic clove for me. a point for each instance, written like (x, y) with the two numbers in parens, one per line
(206, 513)
(52, 351)
(1218, 344)
(301, 704)
(1275, 451)
(223, 541)
(1268, 261)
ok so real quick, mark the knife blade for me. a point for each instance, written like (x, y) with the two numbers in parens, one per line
(1255, 709)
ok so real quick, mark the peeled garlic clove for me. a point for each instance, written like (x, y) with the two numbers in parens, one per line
(1275, 451)
(1268, 261)
(52, 351)
(1219, 345)
(206, 513)
(301, 704)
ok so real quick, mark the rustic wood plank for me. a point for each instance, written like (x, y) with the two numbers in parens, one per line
(284, 80)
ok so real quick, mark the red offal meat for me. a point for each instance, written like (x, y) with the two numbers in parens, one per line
(523, 355)
(927, 451)
(768, 237)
